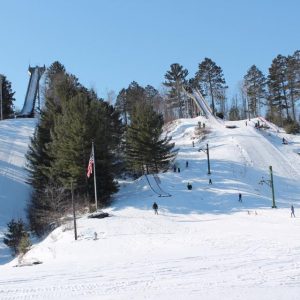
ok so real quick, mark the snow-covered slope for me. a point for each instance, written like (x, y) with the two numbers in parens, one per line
(204, 244)
(14, 192)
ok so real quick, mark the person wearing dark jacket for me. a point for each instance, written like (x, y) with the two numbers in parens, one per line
(292, 211)
(155, 208)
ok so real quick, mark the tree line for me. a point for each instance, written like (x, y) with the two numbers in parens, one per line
(275, 95)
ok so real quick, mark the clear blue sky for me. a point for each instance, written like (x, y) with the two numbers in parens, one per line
(109, 43)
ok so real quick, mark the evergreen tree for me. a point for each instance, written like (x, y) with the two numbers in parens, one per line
(277, 85)
(128, 98)
(211, 80)
(16, 231)
(293, 80)
(7, 97)
(42, 207)
(176, 81)
(60, 149)
(255, 82)
(146, 150)
(24, 244)
(121, 105)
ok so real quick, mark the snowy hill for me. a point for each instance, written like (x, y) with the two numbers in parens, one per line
(14, 192)
(204, 244)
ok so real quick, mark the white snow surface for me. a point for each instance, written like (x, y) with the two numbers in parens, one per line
(203, 244)
(14, 191)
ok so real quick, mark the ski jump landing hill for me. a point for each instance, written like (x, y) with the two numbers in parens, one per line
(32, 92)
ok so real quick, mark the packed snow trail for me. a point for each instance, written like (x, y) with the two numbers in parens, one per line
(262, 152)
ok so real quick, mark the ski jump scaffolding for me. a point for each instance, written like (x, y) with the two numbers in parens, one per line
(32, 93)
(202, 105)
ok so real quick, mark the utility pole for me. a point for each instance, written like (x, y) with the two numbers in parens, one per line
(272, 187)
(95, 182)
(73, 207)
(1, 100)
(208, 161)
(270, 183)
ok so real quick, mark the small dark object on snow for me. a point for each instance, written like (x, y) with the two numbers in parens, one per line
(292, 211)
(174, 168)
(193, 144)
(178, 170)
(186, 164)
(189, 186)
(98, 215)
(240, 197)
(209, 182)
(284, 141)
(155, 208)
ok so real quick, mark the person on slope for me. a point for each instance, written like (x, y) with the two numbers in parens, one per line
(155, 208)
(240, 197)
(292, 211)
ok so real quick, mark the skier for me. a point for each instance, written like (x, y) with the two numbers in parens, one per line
(209, 182)
(95, 236)
(186, 164)
(155, 208)
(284, 141)
(193, 144)
(246, 123)
(240, 197)
(175, 168)
(178, 170)
(292, 211)
(189, 186)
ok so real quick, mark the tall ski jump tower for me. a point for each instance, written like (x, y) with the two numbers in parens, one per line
(33, 92)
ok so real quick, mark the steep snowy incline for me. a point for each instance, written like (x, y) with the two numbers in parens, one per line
(262, 152)
(14, 192)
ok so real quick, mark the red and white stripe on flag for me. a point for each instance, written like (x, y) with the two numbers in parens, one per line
(90, 166)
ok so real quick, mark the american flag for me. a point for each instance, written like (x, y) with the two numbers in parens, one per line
(90, 166)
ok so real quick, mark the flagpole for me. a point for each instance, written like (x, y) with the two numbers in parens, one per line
(95, 182)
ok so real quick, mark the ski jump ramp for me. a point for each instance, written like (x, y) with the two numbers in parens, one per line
(201, 103)
(32, 91)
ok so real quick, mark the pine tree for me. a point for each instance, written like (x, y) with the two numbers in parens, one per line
(255, 82)
(277, 85)
(7, 98)
(176, 81)
(146, 150)
(293, 80)
(153, 97)
(42, 209)
(121, 105)
(128, 98)
(24, 244)
(16, 231)
(211, 80)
